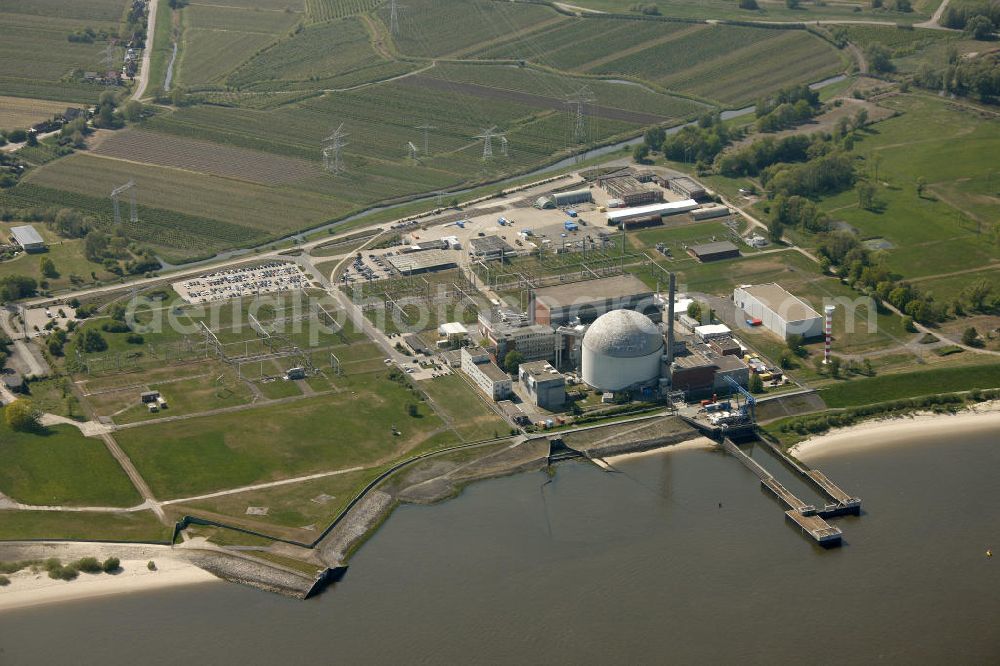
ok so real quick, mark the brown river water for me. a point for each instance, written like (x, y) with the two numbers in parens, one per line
(640, 566)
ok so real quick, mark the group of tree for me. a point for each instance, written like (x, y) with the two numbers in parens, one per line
(789, 106)
(867, 272)
(700, 142)
(87, 35)
(975, 77)
(21, 415)
(795, 212)
(647, 9)
(902, 6)
(977, 18)
(14, 287)
(879, 58)
(108, 115)
(827, 174)
(117, 254)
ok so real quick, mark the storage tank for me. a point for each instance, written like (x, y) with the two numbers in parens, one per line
(622, 348)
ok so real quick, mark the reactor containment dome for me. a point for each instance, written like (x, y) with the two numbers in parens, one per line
(621, 349)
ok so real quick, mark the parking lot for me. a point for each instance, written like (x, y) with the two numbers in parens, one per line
(369, 266)
(36, 319)
(268, 278)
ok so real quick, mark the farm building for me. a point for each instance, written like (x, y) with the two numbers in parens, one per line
(572, 197)
(560, 304)
(778, 310)
(420, 262)
(29, 239)
(687, 187)
(651, 214)
(490, 247)
(630, 191)
(486, 374)
(714, 251)
(545, 385)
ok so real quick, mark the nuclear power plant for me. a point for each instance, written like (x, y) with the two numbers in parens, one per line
(622, 349)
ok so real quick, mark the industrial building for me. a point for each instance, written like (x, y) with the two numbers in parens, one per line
(535, 342)
(709, 212)
(651, 214)
(572, 197)
(490, 247)
(778, 310)
(687, 187)
(630, 191)
(562, 304)
(545, 386)
(451, 328)
(420, 262)
(700, 372)
(714, 251)
(623, 349)
(485, 374)
(29, 239)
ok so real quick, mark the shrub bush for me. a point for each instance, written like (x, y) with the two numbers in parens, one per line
(111, 565)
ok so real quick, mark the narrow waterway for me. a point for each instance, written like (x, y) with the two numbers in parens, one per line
(641, 566)
(168, 80)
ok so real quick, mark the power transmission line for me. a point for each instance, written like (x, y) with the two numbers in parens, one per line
(116, 193)
(579, 102)
(426, 128)
(487, 137)
(332, 150)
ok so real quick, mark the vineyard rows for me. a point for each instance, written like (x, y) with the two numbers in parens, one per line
(324, 10)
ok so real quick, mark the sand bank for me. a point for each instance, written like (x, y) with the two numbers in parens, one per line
(699, 444)
(34, 589)
(882, 432)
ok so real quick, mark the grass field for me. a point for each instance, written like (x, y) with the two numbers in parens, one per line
(948, 229)
(206, 454)
(59, 466)
(137, 526)
(66, 254)
(460, 404)
(912, 384)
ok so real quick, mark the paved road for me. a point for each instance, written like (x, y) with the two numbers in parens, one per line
(142, 81)
(134, 476)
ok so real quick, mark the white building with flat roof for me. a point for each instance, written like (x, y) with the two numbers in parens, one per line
(486, 374)
(778, 310)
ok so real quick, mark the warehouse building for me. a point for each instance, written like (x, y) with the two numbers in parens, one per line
(420, 262)
(709, 212)
(561, 304)
(29, 239)
(545, 386)
(778, 310)
(687, 188)
(572, 197)
(490, 247)
(630, 191)
(485, 374)
(714, 251)
(647, 215)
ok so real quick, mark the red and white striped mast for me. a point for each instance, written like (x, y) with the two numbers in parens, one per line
(828, 331)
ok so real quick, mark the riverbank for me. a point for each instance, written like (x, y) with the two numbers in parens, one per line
(887, 431)
(29, 588)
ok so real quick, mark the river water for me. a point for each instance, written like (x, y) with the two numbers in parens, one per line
(640, 566)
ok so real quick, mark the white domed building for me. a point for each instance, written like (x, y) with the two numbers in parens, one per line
(621, 349)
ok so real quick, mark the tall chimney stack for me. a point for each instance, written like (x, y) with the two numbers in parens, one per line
(671, 297)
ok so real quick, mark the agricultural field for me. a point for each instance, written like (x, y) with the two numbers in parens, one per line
(317, 57)
(731, 65)
(324, 10)
(771, 10)
(41, 29)
(166, 150)
(59, 466)
(216, 39)
(19, 113)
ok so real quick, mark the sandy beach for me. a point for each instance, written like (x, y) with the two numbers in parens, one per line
(882, 432)
(698, 444)
(28, 589)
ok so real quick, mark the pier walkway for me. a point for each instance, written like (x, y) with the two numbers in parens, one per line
(804, 515)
